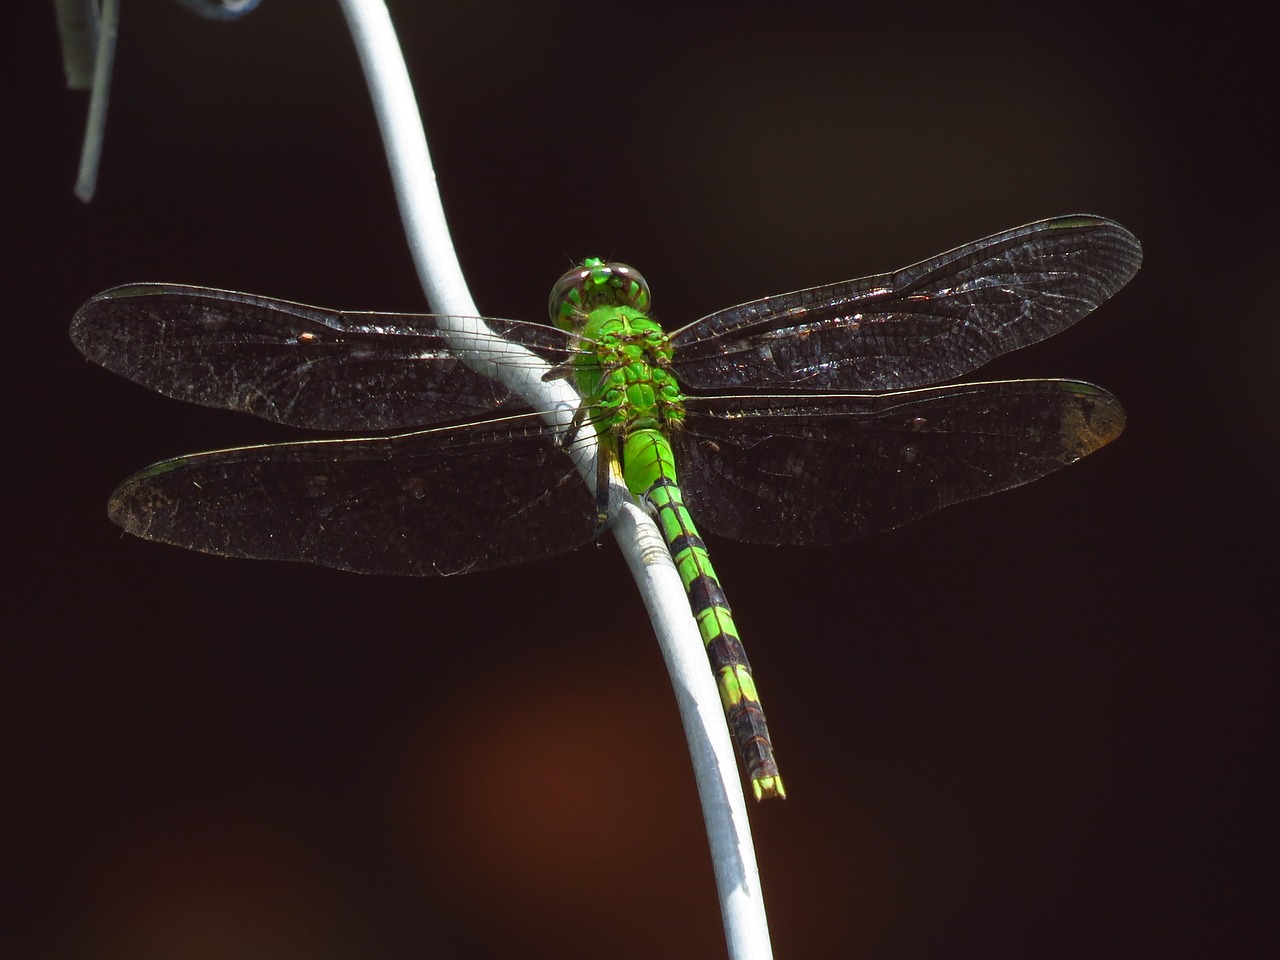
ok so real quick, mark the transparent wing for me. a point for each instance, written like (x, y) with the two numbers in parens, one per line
(927, 323)
(434, 502)
(295, 364)
(831, 468)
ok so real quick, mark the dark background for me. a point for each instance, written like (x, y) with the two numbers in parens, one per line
(1029, 726)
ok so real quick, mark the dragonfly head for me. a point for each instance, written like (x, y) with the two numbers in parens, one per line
(596, 284)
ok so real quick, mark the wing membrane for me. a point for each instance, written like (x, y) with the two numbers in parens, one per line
(434, 502)
(927, 323)
(828, 468)
(295, 364)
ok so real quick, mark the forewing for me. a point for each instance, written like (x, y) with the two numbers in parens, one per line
(926, 323)
(826, 469)
(295, 364)
(435, 502)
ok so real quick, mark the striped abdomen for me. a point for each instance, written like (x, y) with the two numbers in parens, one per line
(649, 462)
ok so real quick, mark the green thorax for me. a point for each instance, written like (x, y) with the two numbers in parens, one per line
(624, 374)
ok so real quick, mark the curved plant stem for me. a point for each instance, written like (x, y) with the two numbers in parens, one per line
(715, 767)
(95, 128)
(78, 34)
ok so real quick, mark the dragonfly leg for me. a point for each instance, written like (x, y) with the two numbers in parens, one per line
(607, 468)
(561, 371)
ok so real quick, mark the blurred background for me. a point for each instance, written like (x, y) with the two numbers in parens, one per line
(1032, 725)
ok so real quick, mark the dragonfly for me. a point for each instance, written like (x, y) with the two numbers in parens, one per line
(813, 417)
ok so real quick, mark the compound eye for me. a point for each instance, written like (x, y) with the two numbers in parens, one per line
(566, 296)
(596, 284)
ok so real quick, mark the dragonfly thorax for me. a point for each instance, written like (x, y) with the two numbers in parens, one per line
(625, 372)
(639, 397)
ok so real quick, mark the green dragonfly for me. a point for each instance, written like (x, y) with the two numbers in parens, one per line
(857, 444)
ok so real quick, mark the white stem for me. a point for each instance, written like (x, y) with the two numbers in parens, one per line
(715, 765)
(95, 128)
(715, 768)
(78, 32)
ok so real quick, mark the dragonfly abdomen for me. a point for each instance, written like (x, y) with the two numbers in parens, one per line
(650, 472)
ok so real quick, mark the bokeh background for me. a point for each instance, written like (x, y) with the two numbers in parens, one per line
(1037, 725)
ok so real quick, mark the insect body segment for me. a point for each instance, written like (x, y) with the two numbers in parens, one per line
(632, 397)
(594, 284)
(649, 463)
